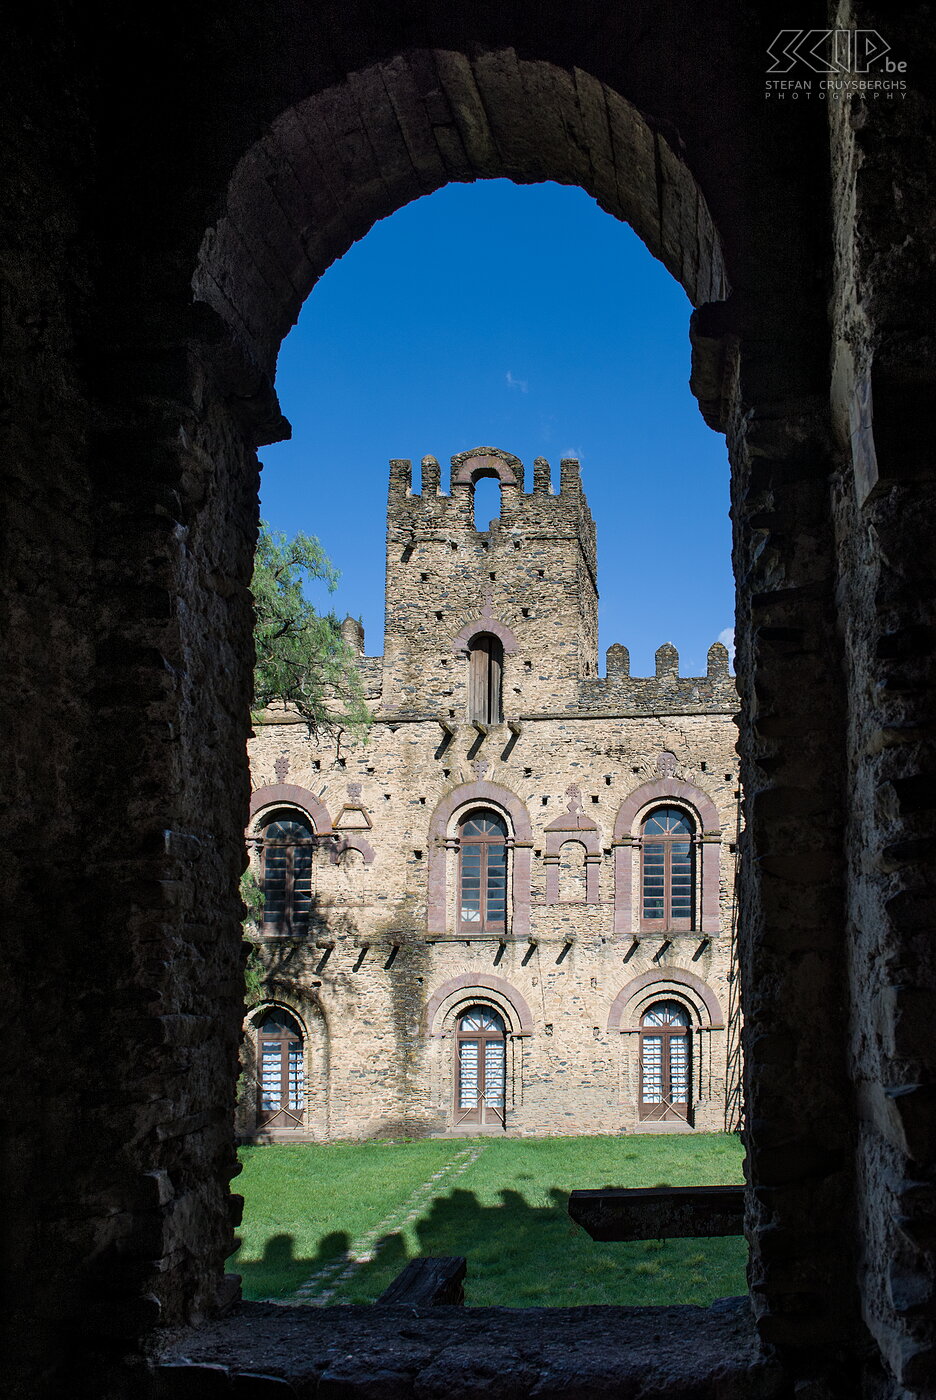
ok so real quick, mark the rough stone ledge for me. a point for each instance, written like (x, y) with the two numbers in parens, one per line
(397, 1352)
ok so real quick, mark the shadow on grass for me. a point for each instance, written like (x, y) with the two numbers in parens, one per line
(279, 1273)
(519, 1255)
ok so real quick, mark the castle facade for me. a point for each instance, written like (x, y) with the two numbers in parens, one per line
(512, 908)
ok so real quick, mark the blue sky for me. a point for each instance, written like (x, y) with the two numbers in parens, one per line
(520, 317)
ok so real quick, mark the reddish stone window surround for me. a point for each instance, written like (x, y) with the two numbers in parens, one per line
(479, 625)
(475, 984)
(480, 794)
(625, 843)
(659, 981)
(289, 795)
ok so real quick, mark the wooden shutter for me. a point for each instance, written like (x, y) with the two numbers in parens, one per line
(495, 668)
(486, 665)
(479, 665)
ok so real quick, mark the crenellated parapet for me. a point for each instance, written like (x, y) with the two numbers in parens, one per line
(666, 690)
(412, 515)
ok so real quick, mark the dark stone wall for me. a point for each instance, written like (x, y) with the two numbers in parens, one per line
(46, 564)
(885, 363)
(131, 414)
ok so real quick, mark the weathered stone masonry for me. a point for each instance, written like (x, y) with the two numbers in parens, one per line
(573, 762)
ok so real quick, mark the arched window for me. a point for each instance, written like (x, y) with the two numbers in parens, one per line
(287, 846)
(485, 670)
(486, 502)
(480, 1067)
(482, 873)
(667, 870)
(665, 1062)
(281, 1088)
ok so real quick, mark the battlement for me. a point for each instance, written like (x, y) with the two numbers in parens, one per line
(664, 691)
(469, 467)
(432, 512)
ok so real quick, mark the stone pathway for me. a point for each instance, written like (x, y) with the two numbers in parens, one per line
(319, 1288)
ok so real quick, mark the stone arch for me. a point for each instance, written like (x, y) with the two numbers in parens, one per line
(654, 985)
(521, 843)
(625, 839)
(280, 999)
(469, 467)
(480, 624)
(458, 990)
(283, 224)
(290, 795)
(477, 794)
(352, 841)
(658, 791)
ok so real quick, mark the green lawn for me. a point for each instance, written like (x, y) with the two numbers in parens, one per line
(306, 1205)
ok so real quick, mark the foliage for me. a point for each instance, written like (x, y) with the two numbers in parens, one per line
(252, 896)
(303, 663)
(306, 1203)
(251, 893)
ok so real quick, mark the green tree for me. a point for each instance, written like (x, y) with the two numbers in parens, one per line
(252, 897)
(303, 663)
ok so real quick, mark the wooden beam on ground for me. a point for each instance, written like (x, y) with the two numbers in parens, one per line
(428, 1283)
(659, 1212)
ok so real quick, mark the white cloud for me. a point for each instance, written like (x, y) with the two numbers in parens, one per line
(726, 637)
(514, 383)
(576, 452)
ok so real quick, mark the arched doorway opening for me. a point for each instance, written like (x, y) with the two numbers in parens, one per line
(480, 1068)
(281, 1081)
(483, 863)
(665, 1063)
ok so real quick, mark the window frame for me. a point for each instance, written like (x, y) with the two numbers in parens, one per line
(664, 1110)
(287, 1040)
(291, 924)
(481, 1110)
(483, 925)
(666, 923)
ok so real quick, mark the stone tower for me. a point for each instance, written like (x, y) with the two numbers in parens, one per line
(528, 580)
